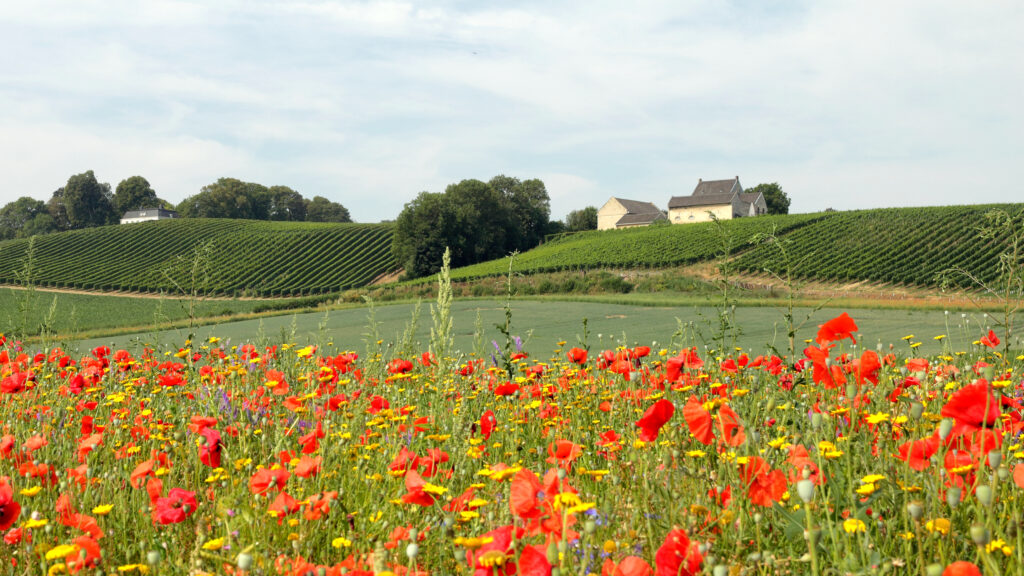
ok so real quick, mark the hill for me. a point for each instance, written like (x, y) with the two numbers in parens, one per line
(229, 257)
(907, 246)
(647, 247)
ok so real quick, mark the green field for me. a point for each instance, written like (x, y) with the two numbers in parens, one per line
(542, 324)
(76, 313)
(215, 256)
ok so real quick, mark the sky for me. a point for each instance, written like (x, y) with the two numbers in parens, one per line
(846, 105)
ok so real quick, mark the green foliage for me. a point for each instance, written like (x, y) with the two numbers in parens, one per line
(233, 198)
(583, 219)
(774, 197)
(320, 209)
(135, 193)
(87, 202)
(896, 245)
(647, 247)
(477, 220)
(25, 217)
(251, 258)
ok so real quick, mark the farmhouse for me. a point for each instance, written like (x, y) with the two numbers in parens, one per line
(133, 216)
(723, 198)
(622, 213)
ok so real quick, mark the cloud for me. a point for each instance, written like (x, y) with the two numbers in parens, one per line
(368, 103)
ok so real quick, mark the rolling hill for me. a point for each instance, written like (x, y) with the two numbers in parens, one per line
(235, 257)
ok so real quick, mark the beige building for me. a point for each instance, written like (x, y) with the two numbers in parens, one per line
(723, 198)
(622, 213)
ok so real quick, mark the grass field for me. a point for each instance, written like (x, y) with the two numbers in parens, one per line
(543, 323)
(76, 313)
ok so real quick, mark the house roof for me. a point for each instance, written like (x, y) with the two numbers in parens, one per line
(148, 212)
(639, 219)
(702, 200)
(749, 197)
(711, 187)
(637, 207)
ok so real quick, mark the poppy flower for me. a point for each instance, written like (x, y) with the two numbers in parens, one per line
(68, 516)
(378, 404)
(434, 458)
(698, 420)
(175, 507)
(88, 555)
(764, 485)
(677, 556)
(506, 389)
(972, 407)
(837, 328)
(399, 366)
(210, 447)
(577, 356)
(493, 557)
(266, 478)
(9, 509)
(308, 466)
(525, 495)
(563, 452)
(487, 424)
(961, 568)
(418, 491)
(990, 340)
(283, 505)
(729, 426)
(867, 367)
(309, 442)
(630, 566)
(654, 418)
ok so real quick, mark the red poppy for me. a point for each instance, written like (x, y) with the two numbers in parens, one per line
(729, 426)
(88, 555)
(178, 505)
(764, 485)
(434, 458)
(577, 356)
(415, 494)
(1018, 477)
(308, 466)
(68, 516)
(677, 556)
(961, 568)
(563, 452)
(837, 328)
(524, 499)
(399, 366)
(319, 505)
(654, 418)
(267, 478)
(487, 424)
(9, 509)
(630, 566)
(831, 376)
(500, 540)
(506, 389)
(309, 442)
(972, 407)
(867, 367)
(990, 340)
(283, 505)
(698, 420)
(209, 448)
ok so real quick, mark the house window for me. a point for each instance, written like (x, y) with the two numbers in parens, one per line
(691, 216)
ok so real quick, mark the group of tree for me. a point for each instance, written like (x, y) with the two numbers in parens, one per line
(233, 198)
(84, 202)
(478, 220)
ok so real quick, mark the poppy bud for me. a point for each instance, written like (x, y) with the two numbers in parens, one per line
(933, 570)
(945, 427)
(805, 489)
(916, 410)
(153, 557)
(412, 550)
(984, 494)
(953, 497)
(552, 553)
(244, 561)
(816, 420)
(460, 555)
(979, 534)
(721, 570)
(995, 458)
(915, 510)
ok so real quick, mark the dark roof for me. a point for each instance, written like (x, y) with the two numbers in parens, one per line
(710, 187)
(636, 207)
(749, 197)
(703, 200)
(638, 219)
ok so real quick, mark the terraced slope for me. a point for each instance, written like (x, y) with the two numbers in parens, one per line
(246, 258)
(648, 247)
(897, 245)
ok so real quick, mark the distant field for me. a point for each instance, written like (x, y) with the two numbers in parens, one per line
(76, 313)
(245, 257)
(649, 247)
(543, 323)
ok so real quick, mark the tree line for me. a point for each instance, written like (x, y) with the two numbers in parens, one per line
(84, 202)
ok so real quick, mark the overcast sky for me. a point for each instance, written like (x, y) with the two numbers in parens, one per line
(846, 105)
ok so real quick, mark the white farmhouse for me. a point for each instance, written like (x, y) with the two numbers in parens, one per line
(723, 198)
(147, 214)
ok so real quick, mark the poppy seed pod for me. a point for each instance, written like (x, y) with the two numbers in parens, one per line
(953, 497)
(979, 534)
(805, 489)
(916, 510)
(916, 410)
(984, 494)
(995, 458)
(945, 427)
(933, 570)
(244, 561)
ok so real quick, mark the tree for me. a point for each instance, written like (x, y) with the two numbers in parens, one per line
(774, 197)
(320, 209)
(529, 208)
(423, 230)
(88, 203)
(583, 219)
(135, 193)
(17, 216)
(228, 198)
(58, 211)
(286, 204)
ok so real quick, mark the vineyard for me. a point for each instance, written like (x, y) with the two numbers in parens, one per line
(217, 257)
(650, 247)
(895, 245)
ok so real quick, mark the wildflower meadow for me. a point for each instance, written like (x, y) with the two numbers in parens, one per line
(215, 457)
